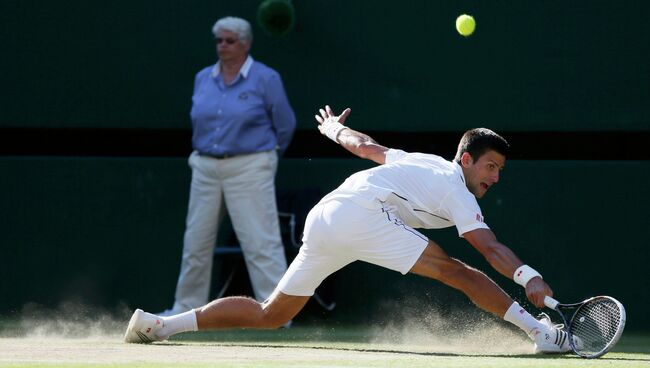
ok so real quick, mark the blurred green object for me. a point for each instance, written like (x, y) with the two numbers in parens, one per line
(276, 17)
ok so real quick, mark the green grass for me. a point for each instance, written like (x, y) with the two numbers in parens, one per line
(611, 361)
(304, 347)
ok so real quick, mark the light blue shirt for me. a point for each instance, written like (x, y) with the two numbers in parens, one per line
(250, 115)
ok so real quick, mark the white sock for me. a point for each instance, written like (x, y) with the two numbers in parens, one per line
(178, 323)
(522, 319)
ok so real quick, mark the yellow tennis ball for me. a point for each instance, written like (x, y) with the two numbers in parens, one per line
(465, 24)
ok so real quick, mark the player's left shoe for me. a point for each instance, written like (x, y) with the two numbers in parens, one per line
(554, 340)
(143, 327)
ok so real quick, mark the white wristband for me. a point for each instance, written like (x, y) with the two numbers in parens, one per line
(523, 274)
(332, 130)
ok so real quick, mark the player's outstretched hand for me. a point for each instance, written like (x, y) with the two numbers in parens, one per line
(536, 290)
(327, 116)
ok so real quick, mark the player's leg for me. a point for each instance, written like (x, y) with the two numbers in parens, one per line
(249, 191)
(315, 261)
(485, 293)
(230, 312)
(390, 243)
(243, 312)
(436, 264)
(303, 276)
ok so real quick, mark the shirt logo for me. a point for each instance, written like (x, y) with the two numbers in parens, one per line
(243, 96)
(479, 218)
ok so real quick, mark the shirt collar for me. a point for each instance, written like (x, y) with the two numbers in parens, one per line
(243, 70)
(459, 169)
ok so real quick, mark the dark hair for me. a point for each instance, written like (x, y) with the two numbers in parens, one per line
(480, 140)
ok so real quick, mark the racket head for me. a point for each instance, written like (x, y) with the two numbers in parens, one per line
(598, 324)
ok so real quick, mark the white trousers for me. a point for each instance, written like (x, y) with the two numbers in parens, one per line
(246, 183)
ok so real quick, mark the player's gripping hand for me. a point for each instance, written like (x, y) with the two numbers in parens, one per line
(536, 290)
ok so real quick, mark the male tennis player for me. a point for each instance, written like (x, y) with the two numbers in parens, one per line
(371, 217)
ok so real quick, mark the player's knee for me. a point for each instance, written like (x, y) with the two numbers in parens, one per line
(455, 270)
(274, 319)
(275, 315)
(277, 324)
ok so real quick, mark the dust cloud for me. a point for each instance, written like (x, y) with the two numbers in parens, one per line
(68, 320)
(466, 331)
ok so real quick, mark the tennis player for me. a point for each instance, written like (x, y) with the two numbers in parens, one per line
(372, 217)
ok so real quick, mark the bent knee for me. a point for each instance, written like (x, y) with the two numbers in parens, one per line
(273, 320)
(456, 270)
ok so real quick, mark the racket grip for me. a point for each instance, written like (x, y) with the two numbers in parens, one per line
(550, 302)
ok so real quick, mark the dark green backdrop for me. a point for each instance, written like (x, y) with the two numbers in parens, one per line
(107, 231)
(531, 65)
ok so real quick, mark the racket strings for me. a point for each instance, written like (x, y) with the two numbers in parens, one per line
(595, 325)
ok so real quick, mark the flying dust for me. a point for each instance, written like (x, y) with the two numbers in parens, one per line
(68, 320)
(415, 329)
(462, 331)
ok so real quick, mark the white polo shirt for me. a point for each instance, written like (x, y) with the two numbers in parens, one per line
(424, 190)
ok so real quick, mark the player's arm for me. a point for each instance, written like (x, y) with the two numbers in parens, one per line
(362, 145)
(504, 260)
(356, 142)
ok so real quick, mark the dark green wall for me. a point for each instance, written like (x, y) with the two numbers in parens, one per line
(109, 231)
(106, 230)
(531, 65)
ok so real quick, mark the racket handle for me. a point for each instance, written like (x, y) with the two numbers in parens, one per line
(550, 302)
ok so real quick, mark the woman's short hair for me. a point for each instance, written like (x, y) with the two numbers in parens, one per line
(233, 24)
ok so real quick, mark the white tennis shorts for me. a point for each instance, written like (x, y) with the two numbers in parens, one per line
(340, 231)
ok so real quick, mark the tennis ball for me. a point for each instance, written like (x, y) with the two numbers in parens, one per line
(465, 24)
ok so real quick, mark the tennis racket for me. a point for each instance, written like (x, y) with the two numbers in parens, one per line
(596, 323)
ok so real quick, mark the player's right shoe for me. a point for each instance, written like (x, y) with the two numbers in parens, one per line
(555, 340)
(143, 327)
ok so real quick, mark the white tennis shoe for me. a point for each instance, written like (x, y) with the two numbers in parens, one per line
(554, 340)
(143, 327)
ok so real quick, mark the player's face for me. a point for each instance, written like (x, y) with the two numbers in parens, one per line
(230, 47)
(484, 173)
